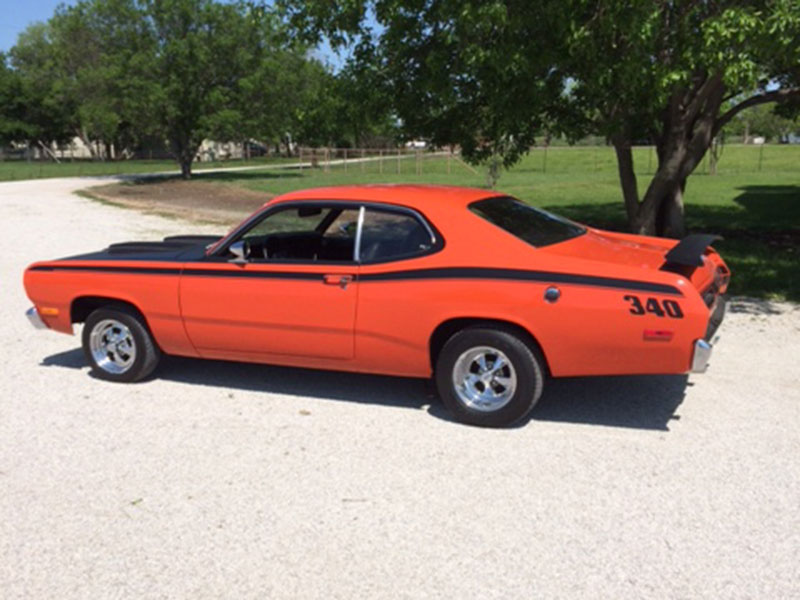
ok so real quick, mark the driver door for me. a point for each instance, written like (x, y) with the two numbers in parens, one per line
(294, 294)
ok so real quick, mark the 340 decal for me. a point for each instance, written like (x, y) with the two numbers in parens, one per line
(665, 308)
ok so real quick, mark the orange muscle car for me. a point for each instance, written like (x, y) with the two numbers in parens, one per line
(485, 293)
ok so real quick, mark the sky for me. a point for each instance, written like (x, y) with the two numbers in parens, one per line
(16, 15)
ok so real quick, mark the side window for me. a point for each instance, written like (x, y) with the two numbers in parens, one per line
(390, 235)
(305, 233)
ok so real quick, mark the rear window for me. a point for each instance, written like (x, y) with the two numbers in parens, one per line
(532, 225)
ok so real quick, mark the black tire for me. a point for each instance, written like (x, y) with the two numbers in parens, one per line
(527, 364)
(140, 363)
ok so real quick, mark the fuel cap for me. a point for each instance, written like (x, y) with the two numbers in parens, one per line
(552, 294)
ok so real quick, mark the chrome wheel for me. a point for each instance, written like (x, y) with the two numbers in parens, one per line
(112, 346)
(484, 379)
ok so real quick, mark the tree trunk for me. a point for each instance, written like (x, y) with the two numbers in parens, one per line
(83, 137)
(184, 150)
(627, 178)
(186, 167)
(669, 220)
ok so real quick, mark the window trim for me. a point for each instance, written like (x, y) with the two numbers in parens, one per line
(219, 254)
(359, 227)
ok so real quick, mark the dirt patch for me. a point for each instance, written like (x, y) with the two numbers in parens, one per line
(200, 202)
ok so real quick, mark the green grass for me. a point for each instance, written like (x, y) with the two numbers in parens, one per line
(11, 170)
(757, 211)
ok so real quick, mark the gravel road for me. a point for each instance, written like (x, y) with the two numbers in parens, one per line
(222, 480)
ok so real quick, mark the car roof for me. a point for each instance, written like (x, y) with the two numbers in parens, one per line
(415, 196)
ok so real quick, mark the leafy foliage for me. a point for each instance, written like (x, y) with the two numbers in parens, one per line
(121, 73)
(489, 75)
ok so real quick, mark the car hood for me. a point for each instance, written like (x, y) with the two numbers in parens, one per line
(173, 248)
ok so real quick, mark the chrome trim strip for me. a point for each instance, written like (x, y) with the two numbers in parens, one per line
(701, 356)
(359, 228)
(34, 318)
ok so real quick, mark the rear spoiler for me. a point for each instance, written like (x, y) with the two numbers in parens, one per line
(689, 251)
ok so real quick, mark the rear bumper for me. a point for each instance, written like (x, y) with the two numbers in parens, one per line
(701, 356)
(34, 318)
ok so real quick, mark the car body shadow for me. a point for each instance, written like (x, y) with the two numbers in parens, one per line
(640, 402)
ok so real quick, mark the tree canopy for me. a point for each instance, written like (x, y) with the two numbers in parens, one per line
(490, 75)
(120, 73)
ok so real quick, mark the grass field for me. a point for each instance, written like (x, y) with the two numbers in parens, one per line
(11, 170)
(756, 211)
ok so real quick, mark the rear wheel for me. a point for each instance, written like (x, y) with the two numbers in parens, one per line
(489, 376)
(118, 345)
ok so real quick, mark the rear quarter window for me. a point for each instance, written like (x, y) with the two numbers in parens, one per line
(532, 225)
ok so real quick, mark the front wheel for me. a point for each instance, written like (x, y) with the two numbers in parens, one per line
(489, 376)
(118, 345)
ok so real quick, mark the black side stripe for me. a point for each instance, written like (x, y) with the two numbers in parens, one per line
(239, 273)
(416, 274)
(522, 275)
(99, 269)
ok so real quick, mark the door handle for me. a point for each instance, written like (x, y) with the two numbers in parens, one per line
(340, 280)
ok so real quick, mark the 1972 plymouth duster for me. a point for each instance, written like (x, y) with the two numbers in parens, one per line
(486, 293)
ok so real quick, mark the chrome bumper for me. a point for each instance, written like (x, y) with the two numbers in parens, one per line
(34, 318)
(701, 356)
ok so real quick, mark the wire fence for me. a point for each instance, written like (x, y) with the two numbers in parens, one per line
(442, 165)
(389, 161)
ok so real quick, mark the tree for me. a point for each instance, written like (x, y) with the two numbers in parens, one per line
(202, 50)
(12, 105)
(119, 71)
(47, 109)
(490, 74)
(676, 73)
(104, 50)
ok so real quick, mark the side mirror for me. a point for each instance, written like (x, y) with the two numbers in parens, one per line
(239, 251)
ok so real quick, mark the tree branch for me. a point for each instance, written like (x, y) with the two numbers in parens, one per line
(704, 91)
(774, 96)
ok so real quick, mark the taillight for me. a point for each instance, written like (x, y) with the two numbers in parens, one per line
(657, 335)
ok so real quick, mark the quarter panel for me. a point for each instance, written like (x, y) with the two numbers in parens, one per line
(590, 330)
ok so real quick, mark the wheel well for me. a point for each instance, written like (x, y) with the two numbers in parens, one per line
(82, 307)
(452, 326)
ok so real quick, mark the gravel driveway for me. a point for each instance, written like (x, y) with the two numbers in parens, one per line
(239, 481)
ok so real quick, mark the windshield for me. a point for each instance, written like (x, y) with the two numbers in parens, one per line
(532, 225)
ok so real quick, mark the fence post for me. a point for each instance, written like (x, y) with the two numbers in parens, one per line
(544, 160)
(380, 161)
(363, 151)
(449, 159)
(760, 156)
(398, 161)
(345, 160)
(300, 154)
